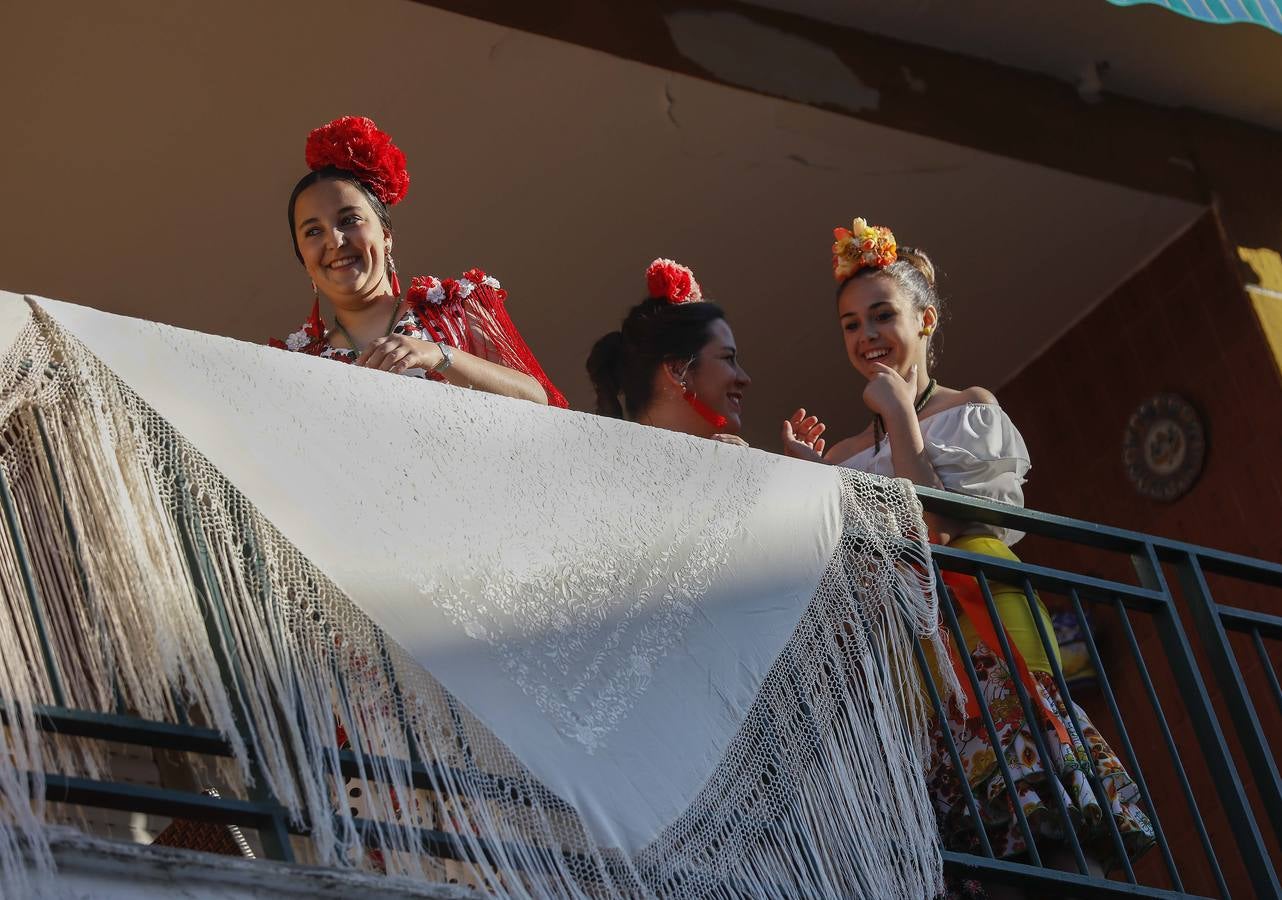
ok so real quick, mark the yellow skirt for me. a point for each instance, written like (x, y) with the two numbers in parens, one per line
(1012, 608)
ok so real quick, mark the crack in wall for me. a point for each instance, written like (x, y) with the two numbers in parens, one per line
(802, 161)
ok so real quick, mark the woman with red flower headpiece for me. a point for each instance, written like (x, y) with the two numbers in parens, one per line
(673, 364)
(961, 440)
(454, 330)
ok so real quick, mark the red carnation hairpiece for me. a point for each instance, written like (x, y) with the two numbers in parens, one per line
(354, 144)
(671, 281)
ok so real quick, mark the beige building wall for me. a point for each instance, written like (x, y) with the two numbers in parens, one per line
(150, 148)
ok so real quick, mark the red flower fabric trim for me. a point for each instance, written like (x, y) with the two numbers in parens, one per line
(457, 289)
(355, 144)
(426, 289)
(668, 280)
(307, 339)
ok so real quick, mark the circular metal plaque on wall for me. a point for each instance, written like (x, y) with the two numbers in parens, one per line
(1163, 447)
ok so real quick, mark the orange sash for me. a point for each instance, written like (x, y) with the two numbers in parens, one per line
(970, 598)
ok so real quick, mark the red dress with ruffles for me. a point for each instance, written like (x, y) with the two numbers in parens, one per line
(467, 313)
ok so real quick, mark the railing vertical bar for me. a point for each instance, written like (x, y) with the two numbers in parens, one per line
(1133, 759)
(275, 838)
(398, 695)
(941, 717)
(1267, 664)
(1012, 790)
(1093, 778)
(33, 593)
(1171, 748)
(180, 709)
(356, 740)
(1260, 756)
(280, 825)
(411, 744)
(1049, 765)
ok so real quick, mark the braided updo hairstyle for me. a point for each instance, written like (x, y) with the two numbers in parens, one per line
(622, 363)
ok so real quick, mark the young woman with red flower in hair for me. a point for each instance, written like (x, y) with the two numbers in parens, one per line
(451, 330)
(961, 440)
(673, 364)
(454, 330)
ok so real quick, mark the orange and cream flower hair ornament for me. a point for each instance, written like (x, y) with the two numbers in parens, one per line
(861, 246)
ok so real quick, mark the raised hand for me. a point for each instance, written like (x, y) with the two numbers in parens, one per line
(890, 394)
(802, 438)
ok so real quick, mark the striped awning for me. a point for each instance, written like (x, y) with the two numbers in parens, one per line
(1222, 12)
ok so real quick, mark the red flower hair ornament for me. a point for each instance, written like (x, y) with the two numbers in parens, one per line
(669, 280)
(355, 144)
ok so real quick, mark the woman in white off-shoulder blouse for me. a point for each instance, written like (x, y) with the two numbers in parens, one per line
(962, 440)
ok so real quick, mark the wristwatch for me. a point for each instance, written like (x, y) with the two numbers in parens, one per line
(447, 357)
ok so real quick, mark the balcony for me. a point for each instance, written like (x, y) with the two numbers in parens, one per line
(1186, 690)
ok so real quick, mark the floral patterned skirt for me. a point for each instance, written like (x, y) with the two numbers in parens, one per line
(1036, 790)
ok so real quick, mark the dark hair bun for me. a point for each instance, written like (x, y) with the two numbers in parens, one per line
(604, 364)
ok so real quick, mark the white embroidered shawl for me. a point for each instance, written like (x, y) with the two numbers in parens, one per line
(661, 666)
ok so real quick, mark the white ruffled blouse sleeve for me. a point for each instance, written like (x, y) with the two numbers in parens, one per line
(977, 450)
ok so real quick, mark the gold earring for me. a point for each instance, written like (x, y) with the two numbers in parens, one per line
(927, 332)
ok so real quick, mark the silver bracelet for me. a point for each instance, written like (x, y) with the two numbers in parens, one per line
(447, 357)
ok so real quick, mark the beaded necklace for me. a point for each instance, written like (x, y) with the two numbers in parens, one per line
(347, 334)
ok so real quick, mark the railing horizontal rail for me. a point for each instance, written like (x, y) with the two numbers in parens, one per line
(125, 729)
(159, 801)
(1051, 883)
(1243, 568)
(1246, 620)
(1103, 537)
(1057, 580)
(201, 807)
(988, 512)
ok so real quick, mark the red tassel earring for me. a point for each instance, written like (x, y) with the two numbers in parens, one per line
(391, 273)
(706, 412)
(315, 326)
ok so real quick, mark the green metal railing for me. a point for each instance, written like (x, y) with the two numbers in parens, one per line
(1247, 857)
(1214, 728)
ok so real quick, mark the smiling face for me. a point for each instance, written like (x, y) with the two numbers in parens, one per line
(880, 325)
(343, 245)
(717, 378)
